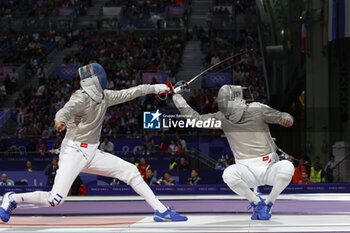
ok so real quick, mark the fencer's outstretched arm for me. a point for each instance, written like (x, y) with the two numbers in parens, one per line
(118, 97)
(273, 116)
(189, 112)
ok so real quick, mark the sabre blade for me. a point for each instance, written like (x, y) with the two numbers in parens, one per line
(220, 62)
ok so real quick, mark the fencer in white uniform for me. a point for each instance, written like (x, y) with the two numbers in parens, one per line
(246, 129)
(83, 117)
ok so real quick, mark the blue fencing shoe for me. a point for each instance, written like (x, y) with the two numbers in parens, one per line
(168, 216)
(255, 214)
(268, 208)
(261, 210)
(7, 206)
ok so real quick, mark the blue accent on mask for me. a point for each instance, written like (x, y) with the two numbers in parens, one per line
(96, 69)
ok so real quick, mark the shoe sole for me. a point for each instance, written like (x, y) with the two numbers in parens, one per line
(160, 219)
(4, 216)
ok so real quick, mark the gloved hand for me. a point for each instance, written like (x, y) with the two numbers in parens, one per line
(160, 88)
(178, 90)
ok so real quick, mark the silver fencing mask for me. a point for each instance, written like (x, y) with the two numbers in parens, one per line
(231, 103)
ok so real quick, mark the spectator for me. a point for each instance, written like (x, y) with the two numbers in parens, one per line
(31, 147)
(153, 147)
(107, 146)
(181, 142)
(167, 180)
(317, 162)
(4, 180)
(231, 161)
(143, 167)
(13, 77)
(195, 179)
(221, 164)
(183, 164)
(329, 169)
(13, 150)
(305, 178)
(51, 171)
(29, 167)
(297, 173)
(3, 147)
(302, 166)
(144, 150)
(2, 91)
(316, 173)
(163, 148)
(172, 147)
(150, 179)
(172, 164)
(180, 150)
(40, 147)
(133, 161)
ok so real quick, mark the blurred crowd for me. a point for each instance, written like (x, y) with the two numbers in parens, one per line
(246, 69)
(125, 54)
(21, 8)
(239, 6)
(309, 173)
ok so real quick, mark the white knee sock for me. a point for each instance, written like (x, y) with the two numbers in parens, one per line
(243, 190)
(37, 197)
(142, 189)
(281, 182)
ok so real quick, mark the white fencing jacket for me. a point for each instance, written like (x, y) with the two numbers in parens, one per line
(248, 138)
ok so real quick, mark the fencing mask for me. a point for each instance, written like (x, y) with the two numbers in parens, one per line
(231, 103)
(93, 80)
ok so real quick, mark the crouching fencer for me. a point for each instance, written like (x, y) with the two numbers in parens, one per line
(83, 116)
(247, 131)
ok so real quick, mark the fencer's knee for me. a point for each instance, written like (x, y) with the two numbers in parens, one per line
(56, 199)
(132, 176)
(230, 174)
(287, 168)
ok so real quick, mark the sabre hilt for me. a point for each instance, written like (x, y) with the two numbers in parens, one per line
(283, 155)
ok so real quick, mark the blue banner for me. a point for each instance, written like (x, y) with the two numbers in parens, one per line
(125, 190)
(223, 189)
(67, 72)
(220, 79)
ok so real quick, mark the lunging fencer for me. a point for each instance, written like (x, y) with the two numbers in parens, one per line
(246, 127)
(83, 117)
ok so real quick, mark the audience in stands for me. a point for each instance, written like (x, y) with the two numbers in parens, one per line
(173, 148)
(5, 181)
(246, 69)
(305, 178)
(13, 149)
(329, 169)
(29, 167)
(49, 8)
(297, 173)
(221, 164)
(173, 164)
(150, 179)
(195, 179)
(51, 170)
(183, 164)
(317, 175)
(107, 146)
(166, 179)
(143, 167)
